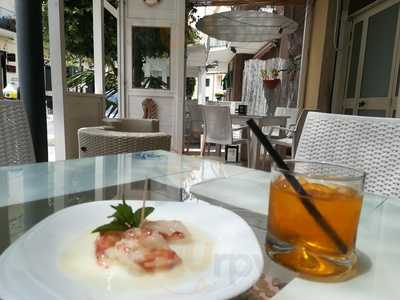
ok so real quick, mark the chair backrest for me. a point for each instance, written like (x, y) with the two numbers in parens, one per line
(195, 111)
(16, 145)
(217, 124)
(292, 113)
(187, 125)
(366, 143)
(299, 128)
(193, 119)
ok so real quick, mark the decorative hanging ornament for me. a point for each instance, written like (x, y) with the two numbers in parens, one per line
(246, 26)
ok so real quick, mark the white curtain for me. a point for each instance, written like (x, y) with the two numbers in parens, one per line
(253, 93)
(252, 89)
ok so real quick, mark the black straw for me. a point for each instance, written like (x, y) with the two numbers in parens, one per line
(304, 197)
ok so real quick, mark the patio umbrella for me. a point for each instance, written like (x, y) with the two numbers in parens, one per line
(246, 26)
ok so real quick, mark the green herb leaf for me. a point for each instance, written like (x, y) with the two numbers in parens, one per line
(123, 214)
(124, 218)
(138, 214)
(113, 226)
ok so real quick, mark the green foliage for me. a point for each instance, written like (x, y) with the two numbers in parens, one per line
(269, 74)
(149, 42)
(78, 23)
(192, 35)
(86, 78)
(154, 83)
(124, 218)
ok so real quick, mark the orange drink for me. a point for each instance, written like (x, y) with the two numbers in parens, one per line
(295, 239)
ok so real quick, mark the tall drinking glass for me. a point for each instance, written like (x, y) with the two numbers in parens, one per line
(295, 238)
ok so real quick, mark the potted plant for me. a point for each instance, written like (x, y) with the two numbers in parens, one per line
(270, 78)
(219, 96)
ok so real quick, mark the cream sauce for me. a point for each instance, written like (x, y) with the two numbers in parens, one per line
(78, 262)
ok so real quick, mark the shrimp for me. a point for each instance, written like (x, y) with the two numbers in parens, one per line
(144, 248)
(146, 238)
(105, 241)
(170, 230)
(158, 259)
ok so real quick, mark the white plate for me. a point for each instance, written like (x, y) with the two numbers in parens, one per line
(30, 268)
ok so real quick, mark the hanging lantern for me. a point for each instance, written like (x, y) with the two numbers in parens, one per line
(246, 26)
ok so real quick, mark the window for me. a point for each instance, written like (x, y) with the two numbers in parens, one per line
(151, 57)
(7, 19)
(378, 61)
(207, 81)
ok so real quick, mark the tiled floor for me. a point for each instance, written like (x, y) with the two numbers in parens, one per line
(195, 151)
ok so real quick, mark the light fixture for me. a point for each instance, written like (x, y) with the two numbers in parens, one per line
(246, 26)
(151, 2)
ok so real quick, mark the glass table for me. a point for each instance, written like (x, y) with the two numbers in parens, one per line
(30, 193)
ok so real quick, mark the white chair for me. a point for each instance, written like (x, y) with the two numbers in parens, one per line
(366, 143)
(193, 124)
(218, 128)
(283, 136)
(291, 112)
(16, 145)
(289, 136)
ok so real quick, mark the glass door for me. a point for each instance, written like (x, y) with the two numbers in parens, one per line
(373, 68)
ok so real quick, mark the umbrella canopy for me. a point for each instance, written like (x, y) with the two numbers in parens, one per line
(246, 2)
(246, 26)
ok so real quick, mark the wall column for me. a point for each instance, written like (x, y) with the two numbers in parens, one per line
(98, 46)
(202, 86)
(321, 58)
(31, 73)
(58, 74)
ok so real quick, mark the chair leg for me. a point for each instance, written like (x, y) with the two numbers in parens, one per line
(219, 149)
(189, 142)
(188, 148)
(203, 146)
(248, 153)
(257, 155)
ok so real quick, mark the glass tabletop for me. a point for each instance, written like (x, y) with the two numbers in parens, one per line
(30, 193)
